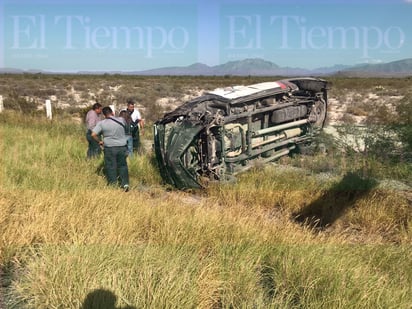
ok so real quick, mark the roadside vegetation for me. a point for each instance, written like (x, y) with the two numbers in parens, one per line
(326, 229)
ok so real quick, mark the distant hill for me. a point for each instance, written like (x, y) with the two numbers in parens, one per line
(194, 69)
(261, 67)
(11, 71)
(394, 68)
(255, 66)
(247, 67)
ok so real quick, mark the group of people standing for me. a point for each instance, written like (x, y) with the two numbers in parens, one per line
(120, 138)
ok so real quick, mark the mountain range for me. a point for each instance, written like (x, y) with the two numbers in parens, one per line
(261, 67)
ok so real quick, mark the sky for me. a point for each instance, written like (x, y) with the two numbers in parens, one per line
(136, 35)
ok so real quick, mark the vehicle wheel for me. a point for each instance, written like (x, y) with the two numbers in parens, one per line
(318, 114)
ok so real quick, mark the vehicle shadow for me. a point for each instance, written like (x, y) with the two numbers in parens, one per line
(331, 205)
(102, 299)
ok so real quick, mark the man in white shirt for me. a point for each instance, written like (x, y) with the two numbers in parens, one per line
(137, 122)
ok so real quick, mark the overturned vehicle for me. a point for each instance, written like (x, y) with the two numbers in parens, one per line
(223, 132)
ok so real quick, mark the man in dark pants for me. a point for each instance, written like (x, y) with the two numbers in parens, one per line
(92, 118)
(138, 124)
(115, 148)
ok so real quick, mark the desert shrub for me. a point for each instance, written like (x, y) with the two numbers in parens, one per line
(85, 95)
(377, 150)
(81, 86)
(163, 89)
(348, 118)
(380, 115)
(44, 92)
(153, 112)
(357, 109)
(19, 103)
(403, 125)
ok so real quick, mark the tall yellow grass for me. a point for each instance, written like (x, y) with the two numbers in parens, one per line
(66, 239)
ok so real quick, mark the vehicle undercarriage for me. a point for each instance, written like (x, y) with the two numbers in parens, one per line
(223, 132)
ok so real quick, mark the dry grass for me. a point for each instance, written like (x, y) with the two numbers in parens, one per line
(278, 238)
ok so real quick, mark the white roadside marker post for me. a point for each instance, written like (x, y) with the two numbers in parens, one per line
(48, 109)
